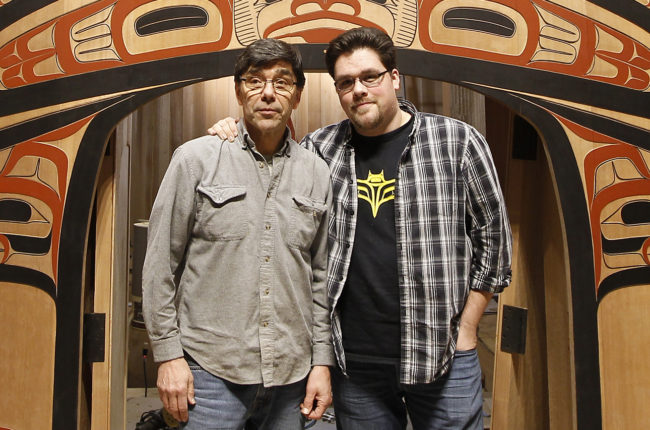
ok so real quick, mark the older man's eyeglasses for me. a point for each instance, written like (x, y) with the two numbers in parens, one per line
(368, 80)
(280, 85)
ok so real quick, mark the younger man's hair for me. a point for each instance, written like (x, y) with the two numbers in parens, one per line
(265, 52)
(361, 37)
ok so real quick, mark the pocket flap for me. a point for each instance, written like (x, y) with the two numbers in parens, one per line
(307, 203)
(220, 194)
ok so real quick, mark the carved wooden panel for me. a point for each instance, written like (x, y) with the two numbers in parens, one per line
(70, 70)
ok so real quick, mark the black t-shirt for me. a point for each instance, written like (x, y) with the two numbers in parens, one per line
(370, 303)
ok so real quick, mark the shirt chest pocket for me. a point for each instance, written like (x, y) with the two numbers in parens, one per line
(222, 212)
(306, 216)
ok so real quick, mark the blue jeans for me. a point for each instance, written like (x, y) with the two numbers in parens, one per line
(372, 397)
(223, 405)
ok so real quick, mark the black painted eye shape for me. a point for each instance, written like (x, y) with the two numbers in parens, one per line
(15, 210)
(477, 19)
(171, 18)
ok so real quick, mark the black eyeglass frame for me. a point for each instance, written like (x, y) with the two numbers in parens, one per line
(375, 81)
(273, 82)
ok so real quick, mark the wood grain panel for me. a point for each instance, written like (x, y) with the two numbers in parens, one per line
(520, 397)
(624, 350)
(559, 322)
(27, 361)
(103, 294)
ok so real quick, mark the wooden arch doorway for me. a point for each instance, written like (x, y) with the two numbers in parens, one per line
(145, 139)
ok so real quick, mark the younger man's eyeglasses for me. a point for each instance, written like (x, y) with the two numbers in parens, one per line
(368, 80)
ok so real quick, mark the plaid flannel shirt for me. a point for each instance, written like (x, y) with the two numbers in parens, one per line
(452, 233)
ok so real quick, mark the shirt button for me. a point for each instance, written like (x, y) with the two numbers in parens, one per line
(261, 165)
(268, 227)
(266, 292)
(267, 258)
(265, 324)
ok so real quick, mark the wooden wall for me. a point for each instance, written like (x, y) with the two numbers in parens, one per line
(534, 389)
(625, 378)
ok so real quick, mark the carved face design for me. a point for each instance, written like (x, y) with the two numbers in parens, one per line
(319, 21)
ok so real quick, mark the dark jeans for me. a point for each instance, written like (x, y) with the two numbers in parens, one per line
(372, 398)
(223, 405)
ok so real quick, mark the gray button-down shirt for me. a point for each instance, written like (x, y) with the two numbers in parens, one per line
(235, 272)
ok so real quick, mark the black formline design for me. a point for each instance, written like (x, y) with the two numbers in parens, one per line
(27, 276)
(16, 10)
(194, 68)
(623, 279)
(631, 10)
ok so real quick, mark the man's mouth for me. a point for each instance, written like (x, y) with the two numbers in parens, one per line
(267, 111)
(361, 105)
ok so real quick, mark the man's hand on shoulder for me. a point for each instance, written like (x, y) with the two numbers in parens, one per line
(176, 387)
(318, 395)
(225, 129)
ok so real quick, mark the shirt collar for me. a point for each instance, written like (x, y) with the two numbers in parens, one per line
(247, 143)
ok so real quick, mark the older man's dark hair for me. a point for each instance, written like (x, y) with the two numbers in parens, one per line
(265, 52)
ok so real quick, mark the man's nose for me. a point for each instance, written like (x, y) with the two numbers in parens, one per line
(268, 90)
(359, 89)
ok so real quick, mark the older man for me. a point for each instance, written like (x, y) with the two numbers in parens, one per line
(234, 292)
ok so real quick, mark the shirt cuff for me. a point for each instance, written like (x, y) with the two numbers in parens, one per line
(490, 285)
(322, 355)
(167, 349)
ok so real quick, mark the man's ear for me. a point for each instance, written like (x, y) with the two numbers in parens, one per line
(296, 98)
(394, 76)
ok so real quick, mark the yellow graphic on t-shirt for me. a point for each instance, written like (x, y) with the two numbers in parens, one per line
(376, 190)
